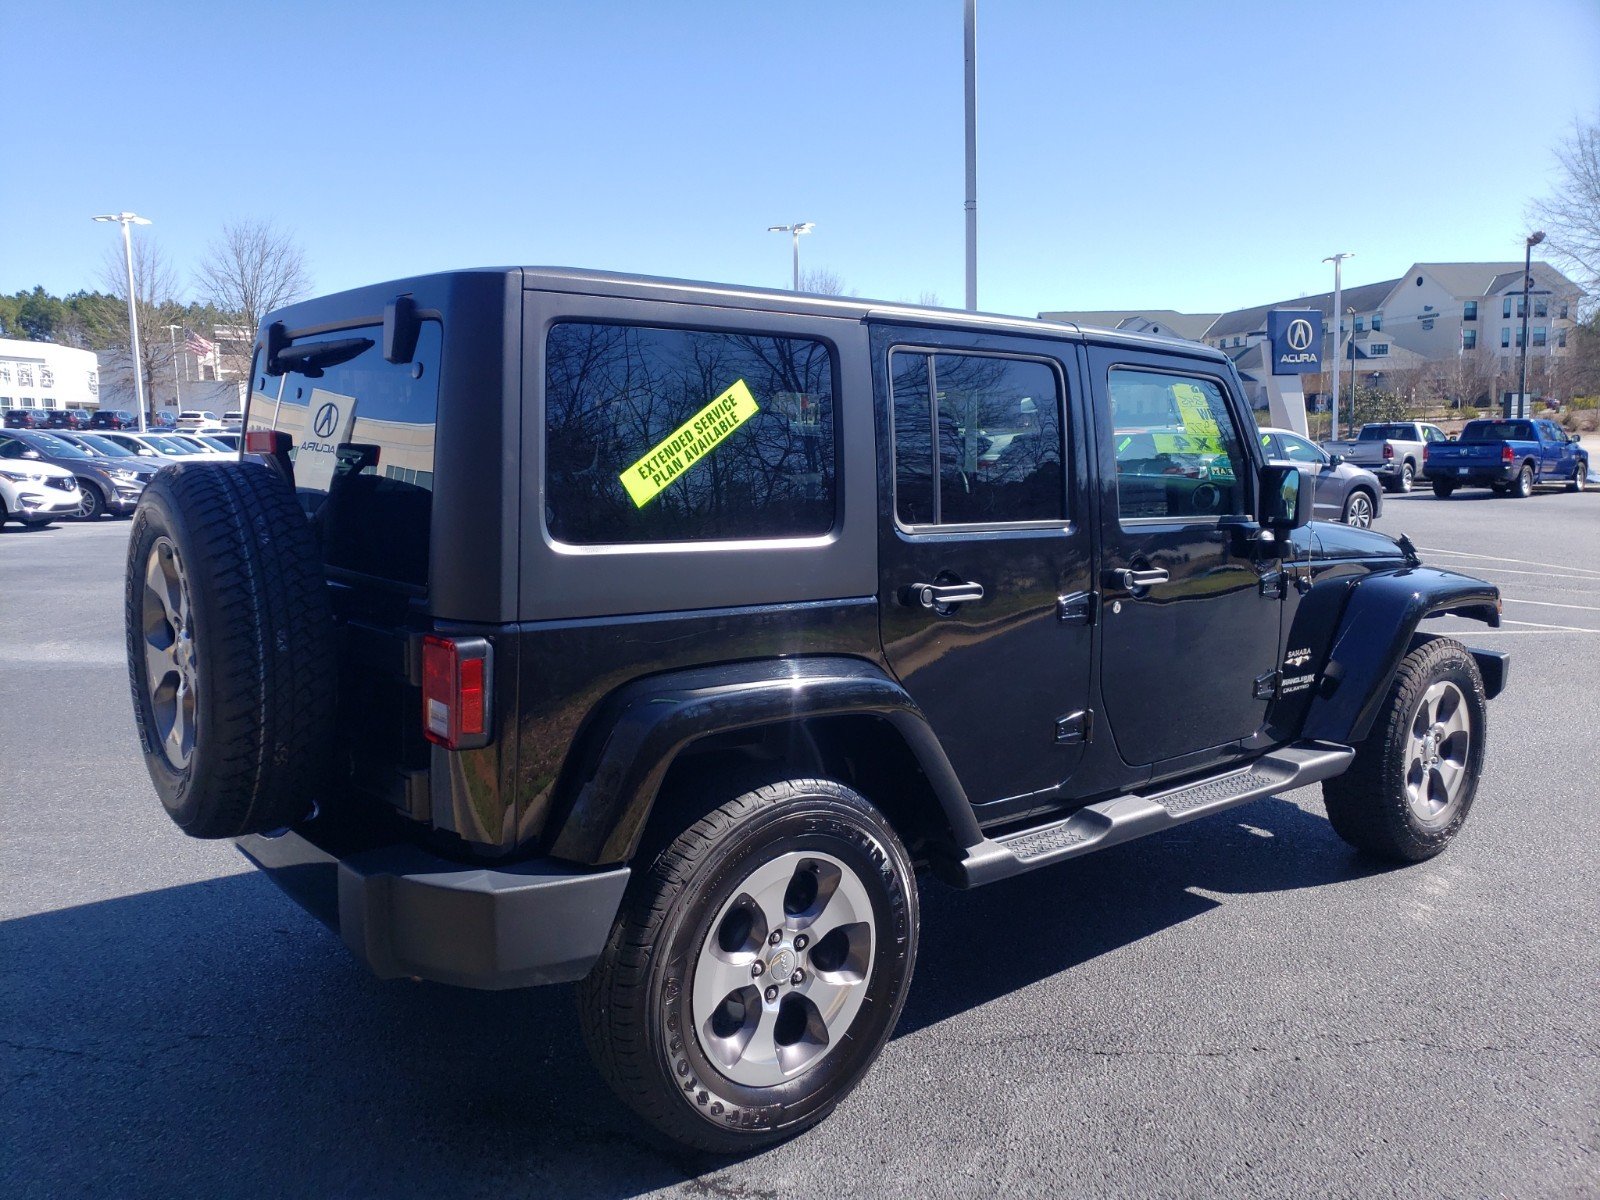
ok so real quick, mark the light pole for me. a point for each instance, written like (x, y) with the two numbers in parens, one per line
(1527, 284)
(971, 56)
(172, 340)
(1352, 315)
(125, 219)
(796, 230)
(1338, 296)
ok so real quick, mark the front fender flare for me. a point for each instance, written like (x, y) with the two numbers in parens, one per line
(641, 728)
(1376, 632)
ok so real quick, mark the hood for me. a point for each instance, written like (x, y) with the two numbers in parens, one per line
(37, 468)
(1336, 540)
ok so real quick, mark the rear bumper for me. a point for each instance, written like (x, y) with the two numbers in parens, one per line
(407, 913)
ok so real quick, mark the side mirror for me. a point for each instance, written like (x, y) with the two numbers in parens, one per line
(1576, 438)
(1451, 437)
(1335, 460)
(1287, 497)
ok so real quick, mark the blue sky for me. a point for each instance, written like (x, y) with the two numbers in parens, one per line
(1195, 156)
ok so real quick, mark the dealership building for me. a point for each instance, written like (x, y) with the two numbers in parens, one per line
(1436, 313)
(45, 375)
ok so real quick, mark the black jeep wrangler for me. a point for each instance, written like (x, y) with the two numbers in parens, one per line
(562, 626)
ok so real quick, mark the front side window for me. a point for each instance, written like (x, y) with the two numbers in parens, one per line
(993, 426)
(1297, 449)
(677, 435)
(1179, 453)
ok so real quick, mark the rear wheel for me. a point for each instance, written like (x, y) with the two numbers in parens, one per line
(757, 967)
(1444, 488)
(1415, 776)
(1523, 487)
(1408, 476)
(1358, 510)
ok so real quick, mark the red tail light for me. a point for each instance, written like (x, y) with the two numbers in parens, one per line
(1505, 454)
(1388, 450)
(455, 691)
(259, 441)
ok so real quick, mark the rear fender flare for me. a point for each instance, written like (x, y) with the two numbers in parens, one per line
(1376, 632)
(642, 728)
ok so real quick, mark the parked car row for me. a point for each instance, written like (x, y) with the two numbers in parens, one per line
(1511, 457)
(188, 421)
(46, 476)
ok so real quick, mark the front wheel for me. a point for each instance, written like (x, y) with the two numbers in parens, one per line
(91, 504)
(1414, 777)
(1358, 510)
(1444, 488)
(757, 967)
(1580, 477)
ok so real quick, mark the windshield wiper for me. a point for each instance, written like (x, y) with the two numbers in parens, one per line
(309, 358)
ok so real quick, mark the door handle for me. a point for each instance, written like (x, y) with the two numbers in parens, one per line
(939, 595)
(1132, 580)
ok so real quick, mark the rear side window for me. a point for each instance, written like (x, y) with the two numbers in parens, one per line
(677, 435)
(363, 440)
(993, 426)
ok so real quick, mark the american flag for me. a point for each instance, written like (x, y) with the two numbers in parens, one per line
(195, 344)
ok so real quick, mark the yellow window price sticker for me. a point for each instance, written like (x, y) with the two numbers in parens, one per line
(1195, 410)
(688, 444)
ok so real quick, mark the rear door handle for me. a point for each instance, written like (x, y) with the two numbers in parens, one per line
(938, 595)
(1131, 580)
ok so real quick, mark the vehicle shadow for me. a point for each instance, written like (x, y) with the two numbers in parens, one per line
(213, 1039)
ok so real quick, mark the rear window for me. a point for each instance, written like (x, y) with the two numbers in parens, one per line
(1382, 433)
(677, 435)
(1497, 431)
(363, 443)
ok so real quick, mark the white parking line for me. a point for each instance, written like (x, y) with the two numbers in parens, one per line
(1551, 604)
(1536, 574)
(1497, 558)
(1560, 628)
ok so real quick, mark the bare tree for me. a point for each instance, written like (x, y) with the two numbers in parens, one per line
(1571, 216)
(251, 269)
(822, 282)
(156, 304)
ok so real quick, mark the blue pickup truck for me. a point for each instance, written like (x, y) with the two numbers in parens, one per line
(1510, 456)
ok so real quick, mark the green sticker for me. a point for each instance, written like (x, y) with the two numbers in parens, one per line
(688, 444)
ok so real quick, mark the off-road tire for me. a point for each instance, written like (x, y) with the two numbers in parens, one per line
(1444, 488)
(635, 1006)
(262, 632)
(1368, 806)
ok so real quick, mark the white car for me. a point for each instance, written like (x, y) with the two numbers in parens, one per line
(162, 446)
(194, 419)
(36, 493)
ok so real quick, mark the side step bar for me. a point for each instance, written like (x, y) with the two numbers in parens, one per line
(1127, 817)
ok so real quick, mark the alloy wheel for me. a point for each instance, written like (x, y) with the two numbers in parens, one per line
(783, 969)
(171, 666)
(1436, 754)
(1358, 511)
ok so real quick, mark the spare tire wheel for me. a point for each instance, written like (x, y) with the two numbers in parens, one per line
(230, 648)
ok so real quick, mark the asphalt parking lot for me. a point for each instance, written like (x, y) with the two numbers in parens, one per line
(1240, 1007)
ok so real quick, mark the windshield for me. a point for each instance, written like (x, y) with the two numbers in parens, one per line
(1382, 433)
(48, 443)
(1497, 431)
(102, 445)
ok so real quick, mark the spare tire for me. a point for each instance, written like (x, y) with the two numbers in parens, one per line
(230, 648)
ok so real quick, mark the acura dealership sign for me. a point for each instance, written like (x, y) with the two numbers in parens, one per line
(1296, 336)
